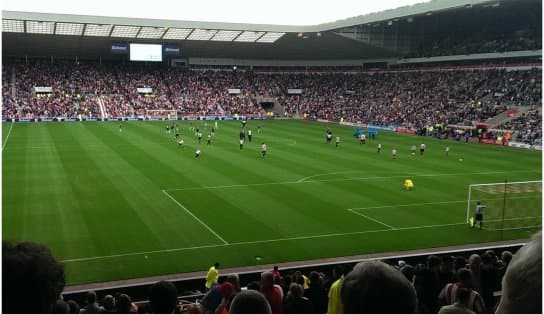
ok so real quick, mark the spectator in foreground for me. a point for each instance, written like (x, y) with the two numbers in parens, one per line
(272, 293)
(254, 285)
(32, 279)
(490, 280)
(462, 296)
(522, 282)
(427, 284)
(219, 295)
(60, 307)
(317, 294)
(212, 276)
(92, 306)
(250, 302)
(109, 304)
(295, 302)
(335, 304)
(192, 309)
(73, 306)
(475, 266)
(375, 287)
(506, 257)
(123, 304)
(448, 295)
(163, 297)
(276, 272)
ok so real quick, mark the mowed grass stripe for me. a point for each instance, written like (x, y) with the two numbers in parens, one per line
(165, 219)
(123, 173)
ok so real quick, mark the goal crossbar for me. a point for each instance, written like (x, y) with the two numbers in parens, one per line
(503, 195)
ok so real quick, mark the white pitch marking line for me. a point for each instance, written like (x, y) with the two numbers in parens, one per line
(432, 203)
(195, 217)
(275, 240)
(343, 179)
(142, 253)
(405, 205)
(324, 174)
(402, 176)
(7, 136)
(370, 218)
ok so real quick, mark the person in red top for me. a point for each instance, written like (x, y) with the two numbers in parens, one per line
(464, 280)
(272, 293)
(277, 275)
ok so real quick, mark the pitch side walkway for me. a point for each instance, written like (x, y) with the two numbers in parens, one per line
(283, 266)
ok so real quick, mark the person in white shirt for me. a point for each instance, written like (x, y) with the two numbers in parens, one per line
(263, 149)
(462, 296)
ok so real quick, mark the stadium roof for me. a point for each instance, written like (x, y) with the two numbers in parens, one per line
(141, 28)
(375, 37)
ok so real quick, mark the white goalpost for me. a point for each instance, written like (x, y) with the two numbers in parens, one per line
(509, 205)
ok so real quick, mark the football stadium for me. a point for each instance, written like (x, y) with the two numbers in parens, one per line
(389, 162)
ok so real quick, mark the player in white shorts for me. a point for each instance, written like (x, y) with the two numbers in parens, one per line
(263, 149)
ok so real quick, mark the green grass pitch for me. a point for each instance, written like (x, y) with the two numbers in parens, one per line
(115, 205)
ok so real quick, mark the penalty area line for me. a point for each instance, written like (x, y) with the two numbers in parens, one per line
(305, 180)
(370, 218)
(195, 217)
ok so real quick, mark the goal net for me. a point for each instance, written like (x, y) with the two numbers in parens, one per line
(509, 205)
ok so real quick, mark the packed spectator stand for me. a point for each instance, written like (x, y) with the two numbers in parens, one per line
(402, 98)
(417, 284)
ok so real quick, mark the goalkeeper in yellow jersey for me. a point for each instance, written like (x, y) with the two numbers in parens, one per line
(408, 184)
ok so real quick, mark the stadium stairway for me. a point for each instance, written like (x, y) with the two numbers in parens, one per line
(276, 107)
(13, 80)
(503, 116)
(103, 112)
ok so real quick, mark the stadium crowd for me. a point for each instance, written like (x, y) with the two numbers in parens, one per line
(527, 128)
(483, 41)
(33, 281)
(410, 99)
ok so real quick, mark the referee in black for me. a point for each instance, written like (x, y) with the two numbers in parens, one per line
(479, 215)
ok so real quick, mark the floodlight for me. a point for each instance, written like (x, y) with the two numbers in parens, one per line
(177, 33)
(97, 30)
(202, 34)
(40, 27)
(271, 37)
(225, 35)
(13, 26)
(249, 36)
(69, 29)
(125, 31)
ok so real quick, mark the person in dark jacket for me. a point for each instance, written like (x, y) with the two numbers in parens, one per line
(295, 302)
(317, 294)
